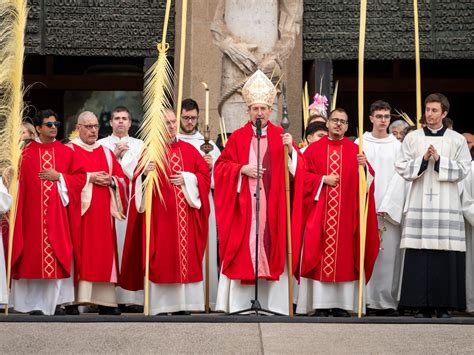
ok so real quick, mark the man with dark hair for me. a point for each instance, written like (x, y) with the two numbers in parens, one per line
(434, 159)
(382, 149)
(329, 260)
(314, 132)
(190, 134)
(127, 151)
(42, 244)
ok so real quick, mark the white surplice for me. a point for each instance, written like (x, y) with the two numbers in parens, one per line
(381, 290)
(468, 211)
(5, 202)
(128, 162)
(196, 140)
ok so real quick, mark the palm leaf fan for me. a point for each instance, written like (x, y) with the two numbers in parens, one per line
(13, 17)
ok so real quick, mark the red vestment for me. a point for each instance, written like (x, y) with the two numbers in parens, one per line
(42, 245)
(95, 242)
(331, 235)
(178, 231)
(234, 210)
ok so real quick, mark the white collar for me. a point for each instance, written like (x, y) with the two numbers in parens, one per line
(436, 130)
(40, 142)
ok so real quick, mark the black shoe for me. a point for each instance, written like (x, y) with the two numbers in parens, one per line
(321, 313)
(162, 314)
(133, 308)
(36, 313)
(442, 313)
(109, 311)
(387, 313)
(338, 312)
(59, 311)
(422, 314)
(181, 313)
(72, 310)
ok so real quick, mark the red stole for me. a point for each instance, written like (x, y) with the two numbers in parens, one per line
(42, 245)
(234, 210)
(331, 235)
(95, 241)
(178, 231)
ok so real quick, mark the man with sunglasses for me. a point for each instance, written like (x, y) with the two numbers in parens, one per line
(42, 244)
(330, 256)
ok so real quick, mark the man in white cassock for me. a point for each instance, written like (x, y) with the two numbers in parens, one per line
(5, 203)
(127, 151)
(381, 150)
(190, 134)
(435, 159)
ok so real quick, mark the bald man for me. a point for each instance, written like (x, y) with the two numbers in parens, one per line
(103, 199)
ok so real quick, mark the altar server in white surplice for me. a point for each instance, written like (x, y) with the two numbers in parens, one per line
(435, 159)
(127, 150)
(381, 150)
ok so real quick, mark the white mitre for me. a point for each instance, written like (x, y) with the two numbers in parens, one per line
(259, 90)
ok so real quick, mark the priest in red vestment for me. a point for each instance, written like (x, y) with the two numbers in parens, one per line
(235, 180)
(330, 256)
(42, 244)
(104, 197)
(179, 230)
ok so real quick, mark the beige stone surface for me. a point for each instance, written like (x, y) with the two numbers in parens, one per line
(224, 338)
(138, 338)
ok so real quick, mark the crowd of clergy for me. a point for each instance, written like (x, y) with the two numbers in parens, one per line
(79, 233)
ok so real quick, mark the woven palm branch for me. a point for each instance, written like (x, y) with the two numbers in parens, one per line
(13, 17)
(157, 91)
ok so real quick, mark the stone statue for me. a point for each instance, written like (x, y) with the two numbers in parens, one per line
(252, 34)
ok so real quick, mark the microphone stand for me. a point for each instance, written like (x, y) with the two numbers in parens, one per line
(255, 303)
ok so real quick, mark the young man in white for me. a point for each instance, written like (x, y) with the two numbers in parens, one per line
(434, 158)
(127, 151)
(381, 150)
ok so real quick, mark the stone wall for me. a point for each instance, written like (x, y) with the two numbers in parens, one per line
(125, 28)
(331, 29)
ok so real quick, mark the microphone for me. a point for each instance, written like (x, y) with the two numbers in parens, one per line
(258, 125)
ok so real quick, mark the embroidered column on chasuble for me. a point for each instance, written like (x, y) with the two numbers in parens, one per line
(48, 259)
(182, 222)
(332, 216)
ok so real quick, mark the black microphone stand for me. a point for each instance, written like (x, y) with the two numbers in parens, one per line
(255, 303)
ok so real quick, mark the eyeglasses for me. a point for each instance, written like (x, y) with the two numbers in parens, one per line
(89, 126)
(338, 121)
(382, 117)
(51, 124)
(189, 118)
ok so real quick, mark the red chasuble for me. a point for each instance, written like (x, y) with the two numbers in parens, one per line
(95, 241)
(331, 235)
(235, 211)
(42, 245)
(178, 231)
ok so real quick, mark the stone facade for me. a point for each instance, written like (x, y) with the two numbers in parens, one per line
(124, 28)
(331, 29)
